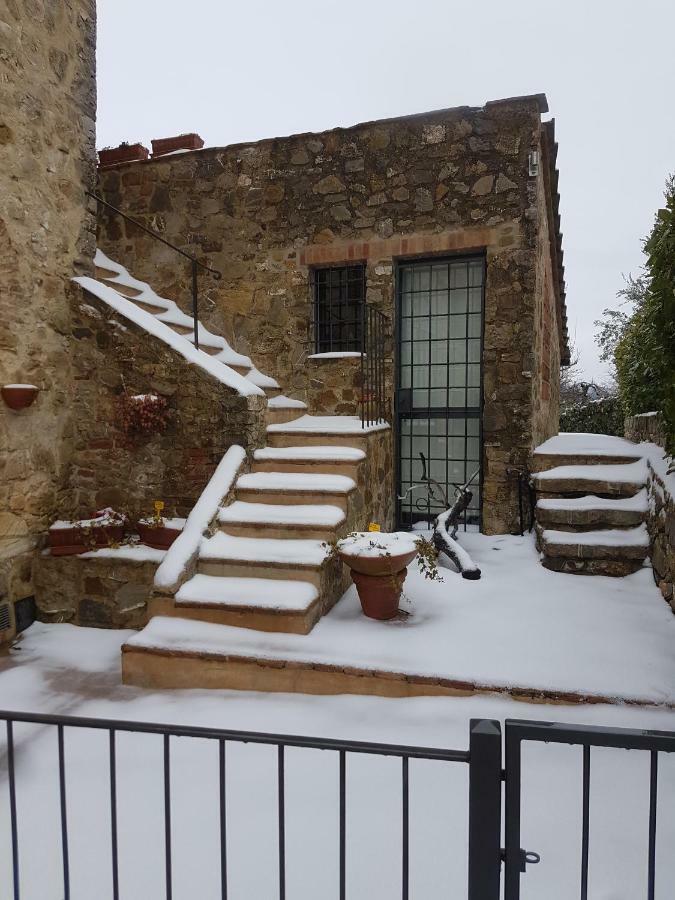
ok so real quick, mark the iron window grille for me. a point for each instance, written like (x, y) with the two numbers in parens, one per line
(339, 294)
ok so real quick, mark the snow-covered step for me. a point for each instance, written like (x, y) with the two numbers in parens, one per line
(292, 488)
(591, 511)
(320, 460)
(608, 479)
(583, 449)
(282, 409)
(270, 385)
(611, 551)
(322, 431)
(278, 521)
(285, 605)
(295, 559)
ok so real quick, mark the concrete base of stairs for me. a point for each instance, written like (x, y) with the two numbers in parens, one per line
(158, 668)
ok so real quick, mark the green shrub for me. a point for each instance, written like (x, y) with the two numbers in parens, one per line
(604, 416)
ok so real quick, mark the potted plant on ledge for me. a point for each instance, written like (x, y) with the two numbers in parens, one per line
(156, 531)
(104, 529)
(379, 564)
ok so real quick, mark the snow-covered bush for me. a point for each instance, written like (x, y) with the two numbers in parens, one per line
(602, 416)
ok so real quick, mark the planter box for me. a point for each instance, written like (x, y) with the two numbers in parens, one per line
(160, 537)
(122, 154)
(70, 541)
(162, 146)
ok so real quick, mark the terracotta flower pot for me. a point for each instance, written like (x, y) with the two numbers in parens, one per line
(378, 565)
(19, 396)
(161, 537)
(161, 146)
(112, 156)
(379, 594)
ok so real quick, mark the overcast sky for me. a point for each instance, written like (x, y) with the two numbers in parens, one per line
(235, 71)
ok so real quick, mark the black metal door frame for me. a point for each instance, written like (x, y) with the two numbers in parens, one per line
(400, 264)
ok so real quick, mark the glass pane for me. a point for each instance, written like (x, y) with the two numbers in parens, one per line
(439, 351)
(420, 353)
(474, 351)
(406, 353)
(439, 276)
(458, 275)
(438, 448)
(439, 376)
(439, 303)
(456, 447)
(421, 329)
(438, 397)
(421, 304)
(476, 269)
(439, 326)
(457, 326)
(473, 397)
(420, 376)
(473, 376)
(406, 376)
(474, 326)
(406, 329)
(475, 299)
(458, 302)
(421, 278)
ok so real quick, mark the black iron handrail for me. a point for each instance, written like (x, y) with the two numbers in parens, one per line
(195, 264)
(166, 732)
(373, 363)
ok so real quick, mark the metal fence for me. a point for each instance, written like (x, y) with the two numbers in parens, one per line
(484, 758)
(373, 363)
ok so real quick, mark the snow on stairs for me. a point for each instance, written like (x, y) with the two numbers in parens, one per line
(592, 505)
(269, 565)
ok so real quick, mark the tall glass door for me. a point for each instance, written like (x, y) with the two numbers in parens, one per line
(438, 397)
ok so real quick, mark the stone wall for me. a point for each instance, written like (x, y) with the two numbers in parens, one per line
(110, 468)
(95, 591)
(650, 428)
(47, 160)
(450, 182)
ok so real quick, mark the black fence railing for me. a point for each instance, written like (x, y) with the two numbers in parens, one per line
(195, 264)
(168, 734)
(373, 366)
(587, 737)
(486, 776)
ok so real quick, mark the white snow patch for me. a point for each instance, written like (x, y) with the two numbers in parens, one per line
(257, 593)
(282, 402)
(577, 443)
(327, 425)
(637, 503)
(322, 454)
(338, 354)
(264, 550)
(186, 545)
(296, 481)
(373, 544)
(30, 386)
(297, 514)
(603, 537)
(130, 552)
(262, 380)
(623, 473)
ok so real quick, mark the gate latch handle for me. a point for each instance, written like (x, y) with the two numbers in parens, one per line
(527, 858)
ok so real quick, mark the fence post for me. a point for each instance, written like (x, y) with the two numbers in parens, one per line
(485, 809)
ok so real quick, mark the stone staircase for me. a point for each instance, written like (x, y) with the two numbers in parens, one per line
(591, 505)
(267, 565)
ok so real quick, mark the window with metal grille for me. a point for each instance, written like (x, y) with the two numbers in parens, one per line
(339, 295)
(5, 617)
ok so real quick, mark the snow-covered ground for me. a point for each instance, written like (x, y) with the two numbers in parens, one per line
(68, 670)
(521, 625)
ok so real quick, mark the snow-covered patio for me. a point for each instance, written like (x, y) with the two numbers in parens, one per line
(67, 670)
(521, 628)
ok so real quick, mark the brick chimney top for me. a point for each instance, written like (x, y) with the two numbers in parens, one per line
(163, 146)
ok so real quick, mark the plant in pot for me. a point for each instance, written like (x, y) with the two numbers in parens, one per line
(379, 564)
(141, 414)
(19, 396)
(156, 531)
(104, 529)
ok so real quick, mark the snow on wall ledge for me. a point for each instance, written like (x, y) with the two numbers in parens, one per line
(149, 323)
(185, 548)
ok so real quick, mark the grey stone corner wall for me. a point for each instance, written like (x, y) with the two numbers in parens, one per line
(47, 161)
(650, 428)
(206, 417)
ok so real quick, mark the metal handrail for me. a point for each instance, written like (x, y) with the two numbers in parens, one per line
(194, 262)
(374, 327)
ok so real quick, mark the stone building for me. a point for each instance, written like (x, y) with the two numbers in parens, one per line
(446, 222)
(407, 270)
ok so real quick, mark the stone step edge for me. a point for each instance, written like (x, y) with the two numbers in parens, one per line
(372, 676)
